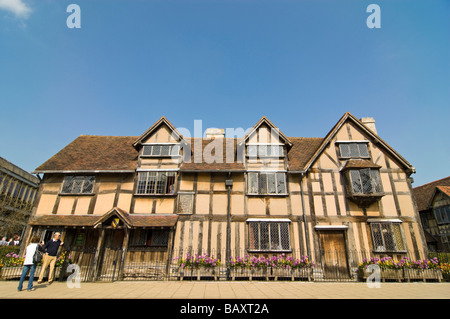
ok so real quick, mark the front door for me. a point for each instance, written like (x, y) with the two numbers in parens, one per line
(334, 255)
(112, 252)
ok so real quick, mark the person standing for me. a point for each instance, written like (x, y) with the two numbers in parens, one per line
(51, 250)
(29, 265)
(3, 242)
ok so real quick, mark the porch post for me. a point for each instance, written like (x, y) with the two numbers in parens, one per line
(124, 252)
(169, 253)
(97, 254)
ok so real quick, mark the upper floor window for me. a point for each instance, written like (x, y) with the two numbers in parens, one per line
(262, 183)
(78, 185)
(265, 150)
(159, 150)
(353, 150)
(442, 214)
(365, 181)
(156, 182)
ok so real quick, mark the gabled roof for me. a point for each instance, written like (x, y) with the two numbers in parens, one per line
(375, 138)
(424, 193)
(265, 120)
(92, 153)
(162, 120)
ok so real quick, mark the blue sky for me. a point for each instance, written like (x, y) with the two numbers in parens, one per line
(301, 63)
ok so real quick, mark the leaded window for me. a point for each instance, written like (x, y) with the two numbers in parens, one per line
(78, 184)
(269, 236)
(149, 238)
(365, 181)
(265, 150)
(387, 236)
(442, 214)
(159, 150)
(354, 150)
(259, 183)
(156, 182)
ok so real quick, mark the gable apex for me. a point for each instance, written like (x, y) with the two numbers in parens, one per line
(265, 120)
(162, 120)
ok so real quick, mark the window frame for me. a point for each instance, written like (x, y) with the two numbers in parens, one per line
(442, 214)
(350, 156)
(153, 145)
(155, 184)
(145, 238)
(259, 147)
(82, 187)
(396, 236)
(373, 177)
(269, 177)
(274, 229)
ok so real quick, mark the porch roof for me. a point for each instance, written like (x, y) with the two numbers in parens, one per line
(132, 220)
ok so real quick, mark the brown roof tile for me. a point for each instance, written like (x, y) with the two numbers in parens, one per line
(302, 150)
(94, 153)
(423, 194)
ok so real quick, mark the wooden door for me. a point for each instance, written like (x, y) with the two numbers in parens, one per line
(112, 252)
(334, 256)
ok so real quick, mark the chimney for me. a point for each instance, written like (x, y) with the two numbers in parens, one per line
(212, 133)
(369, 122)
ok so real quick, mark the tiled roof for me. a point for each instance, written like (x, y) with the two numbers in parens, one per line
(444, 189)
(94, 153)
(423, 194)
(132, 220)
(116, 153)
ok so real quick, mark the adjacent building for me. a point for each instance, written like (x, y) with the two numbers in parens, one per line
(165, 194)
(433, 202)
(18, 190)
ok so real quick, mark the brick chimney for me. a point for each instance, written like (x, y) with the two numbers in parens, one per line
(369, 122)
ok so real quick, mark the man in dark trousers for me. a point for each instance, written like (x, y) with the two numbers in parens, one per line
(51, 249)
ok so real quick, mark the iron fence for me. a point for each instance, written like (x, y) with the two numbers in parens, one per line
(187, 264)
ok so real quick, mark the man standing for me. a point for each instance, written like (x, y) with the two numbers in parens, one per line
(51, 248)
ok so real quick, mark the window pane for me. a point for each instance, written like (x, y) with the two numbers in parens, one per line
(345, 150)
(356, 181)
(281, 183)
(142, 181)
(262, 150)
(363, 151)
(159, 237)
(285, 238)
(147, 150)
(165, 150)
(388, 237)
(175, 150)
(252, 149)
(264, 236)
(67, 185)
(262, 184)
(377, 237)
(77, 183)
(162, 179)
(88, 185)
(253, 183)
(151, 183)
(271, 188)
(366, 181)
(274, 237)
(253, 235)
(156, 150)
(376, 181)
(398, 237)
(354, 151)
(170, 185)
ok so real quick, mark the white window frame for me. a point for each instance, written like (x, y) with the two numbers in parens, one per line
(143, 187)
(154, 153)
(354, 155)
(269, 176)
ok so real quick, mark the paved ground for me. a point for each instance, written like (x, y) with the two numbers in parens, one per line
(227, 290)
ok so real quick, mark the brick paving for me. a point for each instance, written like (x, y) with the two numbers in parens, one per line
(226, 290)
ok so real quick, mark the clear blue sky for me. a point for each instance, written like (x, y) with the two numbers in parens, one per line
(301, 63)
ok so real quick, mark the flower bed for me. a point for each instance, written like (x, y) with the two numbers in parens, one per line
(404, 269)
(198, 267)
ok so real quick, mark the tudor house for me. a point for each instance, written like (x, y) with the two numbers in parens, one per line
(264, 193)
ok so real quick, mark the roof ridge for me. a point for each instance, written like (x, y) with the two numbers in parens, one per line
(429, 183)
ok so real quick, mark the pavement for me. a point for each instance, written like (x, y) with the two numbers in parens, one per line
(226, 290)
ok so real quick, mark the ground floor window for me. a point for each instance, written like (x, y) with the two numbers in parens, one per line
(267, 235)
(149, 238)
(387, 237)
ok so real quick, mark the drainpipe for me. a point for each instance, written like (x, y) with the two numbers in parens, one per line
(229, 185)
(305, 225)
